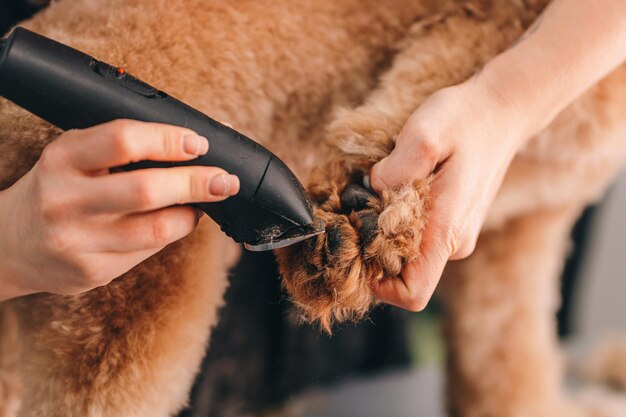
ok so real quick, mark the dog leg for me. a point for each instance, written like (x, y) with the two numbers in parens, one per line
(500, 306)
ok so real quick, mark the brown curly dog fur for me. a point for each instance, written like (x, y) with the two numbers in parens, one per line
(372, 241)
(277, 69)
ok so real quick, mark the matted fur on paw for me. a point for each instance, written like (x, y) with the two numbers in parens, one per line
(368, 238)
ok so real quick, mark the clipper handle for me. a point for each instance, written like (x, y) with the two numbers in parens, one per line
(72, 90)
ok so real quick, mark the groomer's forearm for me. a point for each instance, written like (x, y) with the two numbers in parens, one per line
(572, 45)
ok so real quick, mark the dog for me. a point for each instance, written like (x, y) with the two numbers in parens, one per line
(278, 71)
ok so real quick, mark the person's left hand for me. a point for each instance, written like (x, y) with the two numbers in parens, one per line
(467, 135)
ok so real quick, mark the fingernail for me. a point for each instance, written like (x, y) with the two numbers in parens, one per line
(195, 144)
(224, 184)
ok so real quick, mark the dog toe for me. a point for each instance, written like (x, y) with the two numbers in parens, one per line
(355, 198)
(334, 237)
(366, 224)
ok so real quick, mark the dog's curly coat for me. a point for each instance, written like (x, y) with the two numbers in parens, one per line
(275, 69)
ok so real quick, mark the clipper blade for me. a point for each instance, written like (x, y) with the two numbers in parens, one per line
(282, 241)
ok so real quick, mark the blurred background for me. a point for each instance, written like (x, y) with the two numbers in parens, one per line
(261, 359)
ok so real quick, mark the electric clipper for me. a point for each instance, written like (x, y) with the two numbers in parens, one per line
(73, 90)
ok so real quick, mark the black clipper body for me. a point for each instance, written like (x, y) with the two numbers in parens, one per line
(72, 90)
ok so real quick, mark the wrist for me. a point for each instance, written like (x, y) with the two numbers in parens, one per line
(524, 96)
(543, 73)
(497, 111)
(9, 278)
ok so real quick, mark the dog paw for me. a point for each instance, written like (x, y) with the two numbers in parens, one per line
(368, 238)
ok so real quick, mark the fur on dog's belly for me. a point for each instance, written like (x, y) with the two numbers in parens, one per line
(573, 160)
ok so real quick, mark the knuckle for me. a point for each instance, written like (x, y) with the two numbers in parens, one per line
(466, 250)
(88, 276)
(451, 238)
(145, 193)
(161, 230)
(59, 241)
(171, 145)
(49, 156)
(419, 142)
(417, 303)
(121, 125)
(121, 138)
(426, 149)
(51, 205)
(50, 212)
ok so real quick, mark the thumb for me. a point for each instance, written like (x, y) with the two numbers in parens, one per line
(414, 157)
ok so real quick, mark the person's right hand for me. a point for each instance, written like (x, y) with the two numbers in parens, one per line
(70, 225)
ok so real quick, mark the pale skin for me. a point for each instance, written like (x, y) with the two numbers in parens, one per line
(71, 224)
(468, 134)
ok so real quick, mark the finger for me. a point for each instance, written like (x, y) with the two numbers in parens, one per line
(415, 156)
(440, 240)
(124, 141)
(419, 278)
(151, 189)
(475, 222)
(153, 230)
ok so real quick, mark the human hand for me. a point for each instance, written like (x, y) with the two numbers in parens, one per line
(69, 225)
(466, 137)
(468, 134)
